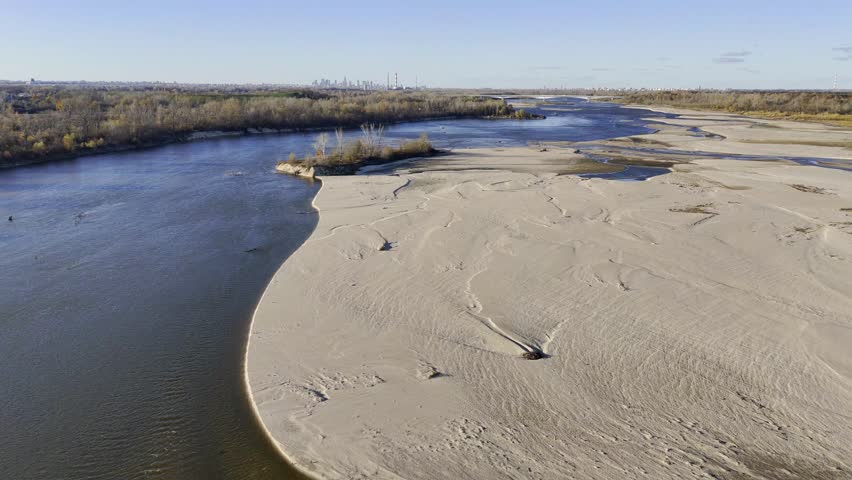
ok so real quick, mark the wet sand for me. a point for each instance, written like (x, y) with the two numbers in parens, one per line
(474, 319)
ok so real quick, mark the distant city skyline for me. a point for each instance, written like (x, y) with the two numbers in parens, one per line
(606, 44)
(349, 83)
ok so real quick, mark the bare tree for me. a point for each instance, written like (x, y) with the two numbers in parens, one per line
(372, 137)
(338, 133)
(320, 144)
(83, 111)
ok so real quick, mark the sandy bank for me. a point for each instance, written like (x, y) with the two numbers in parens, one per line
(697, 323)
(736, 134)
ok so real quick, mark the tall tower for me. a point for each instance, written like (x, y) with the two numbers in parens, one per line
(835, 81)
(395, 81)
(388, 87)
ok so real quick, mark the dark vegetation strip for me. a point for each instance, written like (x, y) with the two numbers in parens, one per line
(828, 107)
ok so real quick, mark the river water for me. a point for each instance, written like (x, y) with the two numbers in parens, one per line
(127, 287)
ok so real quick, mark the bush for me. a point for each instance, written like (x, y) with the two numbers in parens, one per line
(415, 147)
(359, 151)
(69, 142)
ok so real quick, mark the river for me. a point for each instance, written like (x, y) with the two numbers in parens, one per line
(128, 283)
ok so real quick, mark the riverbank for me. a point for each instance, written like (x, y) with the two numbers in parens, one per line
(689, 325)
(213, 134)
(833, 108)
(742, 135)
(56, 122)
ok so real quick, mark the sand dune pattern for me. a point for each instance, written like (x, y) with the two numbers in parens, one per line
(680, 328)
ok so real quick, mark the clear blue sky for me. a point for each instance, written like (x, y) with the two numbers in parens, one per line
(652, 43)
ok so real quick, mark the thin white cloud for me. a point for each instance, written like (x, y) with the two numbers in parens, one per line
(847, 53)
(723, 60)
(732, 57)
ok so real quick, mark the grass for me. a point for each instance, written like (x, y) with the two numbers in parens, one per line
(648, 141)
(703, 209)
(618, 159)
(808, 189)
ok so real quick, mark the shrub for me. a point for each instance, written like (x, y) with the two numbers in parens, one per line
(414, 147)
(69, 142)
(359, 151)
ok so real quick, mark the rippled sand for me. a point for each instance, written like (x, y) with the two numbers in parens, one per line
(696, 324)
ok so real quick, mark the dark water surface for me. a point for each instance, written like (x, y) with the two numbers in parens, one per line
(127, 287)
(567, 120)
(125, 296)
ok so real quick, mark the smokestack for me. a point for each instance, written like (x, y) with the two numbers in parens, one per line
(395, 80)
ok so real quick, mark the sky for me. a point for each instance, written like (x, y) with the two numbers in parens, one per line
(475, 44)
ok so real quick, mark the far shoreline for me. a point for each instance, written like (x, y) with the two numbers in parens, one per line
(202, 135)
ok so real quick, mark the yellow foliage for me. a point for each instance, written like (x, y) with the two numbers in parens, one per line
(69, 141)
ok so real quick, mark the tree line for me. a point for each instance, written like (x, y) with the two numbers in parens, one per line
(807, 103)
(39, 122)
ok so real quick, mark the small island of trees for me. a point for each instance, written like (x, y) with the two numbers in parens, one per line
(345, 157)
